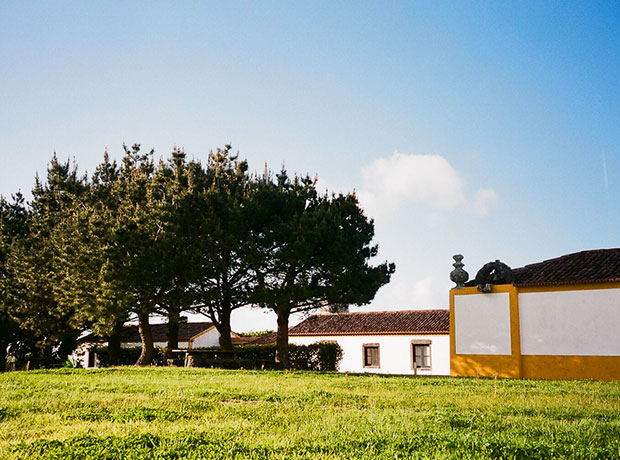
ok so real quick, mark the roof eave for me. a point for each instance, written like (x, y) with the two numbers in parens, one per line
(322, 334)
(571, 283)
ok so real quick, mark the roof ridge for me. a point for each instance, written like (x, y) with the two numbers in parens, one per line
(165, 324)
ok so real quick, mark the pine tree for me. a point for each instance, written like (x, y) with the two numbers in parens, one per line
(88, 252)
(224, 281)
(13, 225)
(35, 268)
(312, 251)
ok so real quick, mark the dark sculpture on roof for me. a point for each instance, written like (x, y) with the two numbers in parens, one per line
(458, 275)
(493, 273)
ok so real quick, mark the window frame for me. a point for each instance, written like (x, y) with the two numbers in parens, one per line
(421, 343)
(365, 346)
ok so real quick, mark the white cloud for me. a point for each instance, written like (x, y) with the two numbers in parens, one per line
(484, 200)
(400, 180)
(427, 181)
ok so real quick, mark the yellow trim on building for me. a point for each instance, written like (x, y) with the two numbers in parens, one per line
(515, 332)
(190, 341)
(569, 287)
(530, 366)
(487, 365)
(201, 333)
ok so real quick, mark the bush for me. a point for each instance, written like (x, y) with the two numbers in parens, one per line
(130, 356)
(321, 356)
(255, 333)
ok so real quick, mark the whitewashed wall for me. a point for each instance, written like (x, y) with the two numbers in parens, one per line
(578, 323)
(482, 324)
(211, 338)
(394, 352)
(80, 355)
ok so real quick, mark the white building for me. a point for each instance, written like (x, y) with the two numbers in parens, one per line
(191, 335)
(389, 342)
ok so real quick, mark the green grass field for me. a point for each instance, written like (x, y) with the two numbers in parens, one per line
(165, 413)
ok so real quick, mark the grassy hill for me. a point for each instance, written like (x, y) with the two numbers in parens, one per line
(165, 413)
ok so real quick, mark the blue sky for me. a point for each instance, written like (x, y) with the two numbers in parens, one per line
(487, 129)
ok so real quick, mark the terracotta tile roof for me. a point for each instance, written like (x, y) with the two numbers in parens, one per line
(594, 266)
(375, 323)
(243, 340)
(130, 333)
(268, 339)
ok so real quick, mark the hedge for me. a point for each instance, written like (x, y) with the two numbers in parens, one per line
(130, 355)
(321, 356)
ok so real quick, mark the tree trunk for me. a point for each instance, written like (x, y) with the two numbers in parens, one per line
(46, 356)
(282, 358)
(67, 345)
(173, 331)
(224, 330)
(225, 309)
(147, 340)
(3, 346)
(6, 327)
(114, 344)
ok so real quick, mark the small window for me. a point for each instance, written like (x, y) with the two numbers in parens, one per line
(421, 353)
(371, 354)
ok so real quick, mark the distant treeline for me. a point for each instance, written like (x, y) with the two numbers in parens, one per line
(142, 237)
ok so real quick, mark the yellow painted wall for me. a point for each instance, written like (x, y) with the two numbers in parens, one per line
(530, 366)
(571, 367)
(487, 365)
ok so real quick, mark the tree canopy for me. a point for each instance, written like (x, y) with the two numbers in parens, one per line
(142, 237)
(312, 251)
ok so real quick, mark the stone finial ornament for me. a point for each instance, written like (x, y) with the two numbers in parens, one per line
(458, 275)
(339, 308)
(493, 273)
(334, 308)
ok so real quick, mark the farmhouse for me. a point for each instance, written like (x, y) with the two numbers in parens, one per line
(191, 335)
(388, 342)
(559, 319)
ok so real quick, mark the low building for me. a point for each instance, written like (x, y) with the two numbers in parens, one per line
(191, 335)
(557, 319)
(388, 342)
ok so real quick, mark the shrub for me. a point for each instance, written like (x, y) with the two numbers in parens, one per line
(130, 355)
(255, 333)
(320, 356)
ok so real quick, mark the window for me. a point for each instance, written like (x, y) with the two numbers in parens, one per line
(371, 354)
(421, 354)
